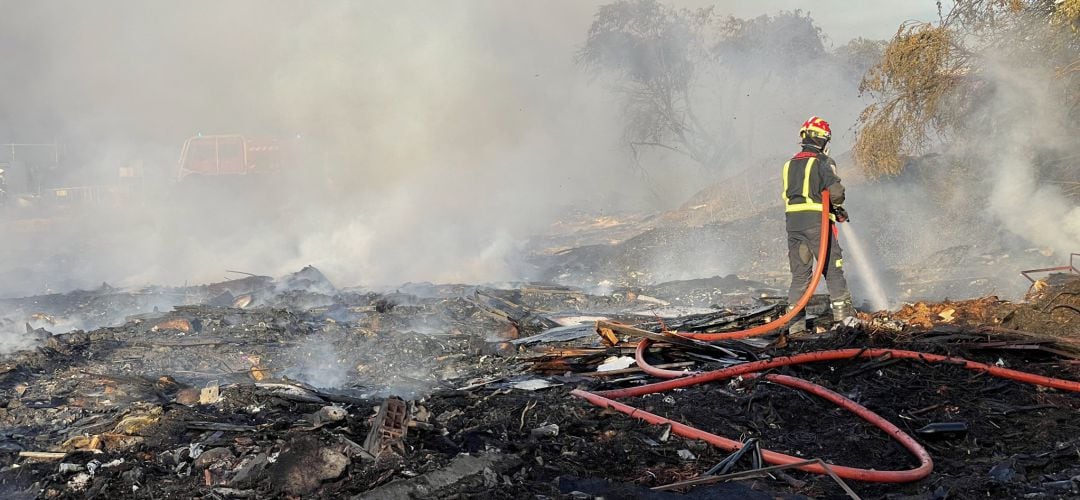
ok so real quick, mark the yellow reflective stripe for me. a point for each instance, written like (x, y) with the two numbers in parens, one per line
(784, 194)
(808, 204)
(805, 207)
(808, 207)
(806, 179)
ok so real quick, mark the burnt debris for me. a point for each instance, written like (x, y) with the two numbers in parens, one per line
(304, 389)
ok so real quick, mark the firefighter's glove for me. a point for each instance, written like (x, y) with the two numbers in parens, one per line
(841, 214)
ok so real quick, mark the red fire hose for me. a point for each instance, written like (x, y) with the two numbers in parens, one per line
(749, 370)
(775, 458)
(819, 268)
(605, 399)
(833, 355)
(782, 321)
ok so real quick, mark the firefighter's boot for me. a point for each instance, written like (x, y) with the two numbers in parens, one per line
(797, 325)
(842, 309)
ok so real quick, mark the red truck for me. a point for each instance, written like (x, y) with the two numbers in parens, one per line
(206, 155)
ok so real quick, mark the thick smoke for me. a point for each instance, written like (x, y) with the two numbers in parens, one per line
(1031, 116)
(752, 86)
(436, 137)
(985, 203)
(962, 220)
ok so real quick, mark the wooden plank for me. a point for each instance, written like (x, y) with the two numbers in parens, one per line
(683, 342)
(42, 455)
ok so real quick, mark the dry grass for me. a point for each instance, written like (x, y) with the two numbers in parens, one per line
(929, 78)
(919, 68)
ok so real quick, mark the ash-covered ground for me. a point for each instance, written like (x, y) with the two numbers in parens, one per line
(285, 387)
(156, 145)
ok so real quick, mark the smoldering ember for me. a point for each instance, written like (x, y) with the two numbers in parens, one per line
(553, 250)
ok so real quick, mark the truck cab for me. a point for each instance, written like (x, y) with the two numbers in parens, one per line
(213, 155)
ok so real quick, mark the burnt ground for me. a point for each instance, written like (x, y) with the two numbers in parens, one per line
(302, 369)
(919, 254)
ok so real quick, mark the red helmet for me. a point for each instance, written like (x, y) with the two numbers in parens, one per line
(815, 127)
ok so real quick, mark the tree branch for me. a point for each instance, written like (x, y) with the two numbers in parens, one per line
(660, 145)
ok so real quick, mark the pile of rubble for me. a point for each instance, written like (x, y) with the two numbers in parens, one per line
(291, 387)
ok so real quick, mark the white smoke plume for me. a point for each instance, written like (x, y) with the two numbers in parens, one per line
(439, 137)
(1031, 115)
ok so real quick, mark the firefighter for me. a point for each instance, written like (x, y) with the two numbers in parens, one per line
(804, 177)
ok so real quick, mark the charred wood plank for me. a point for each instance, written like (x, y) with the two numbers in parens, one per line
(220, 426)
(603, 328)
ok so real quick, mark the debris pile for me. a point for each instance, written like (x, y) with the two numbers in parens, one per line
(443, 391)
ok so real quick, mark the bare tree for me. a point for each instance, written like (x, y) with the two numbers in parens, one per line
(657, 57)
(654, 53)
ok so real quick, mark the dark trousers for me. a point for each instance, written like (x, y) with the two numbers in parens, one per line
(802, 250)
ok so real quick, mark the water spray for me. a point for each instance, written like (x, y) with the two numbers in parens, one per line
(853, 245)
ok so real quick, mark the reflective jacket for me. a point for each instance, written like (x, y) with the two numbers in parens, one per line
(805, 176)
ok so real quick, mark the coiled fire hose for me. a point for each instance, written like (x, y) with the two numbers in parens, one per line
(605, 399)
